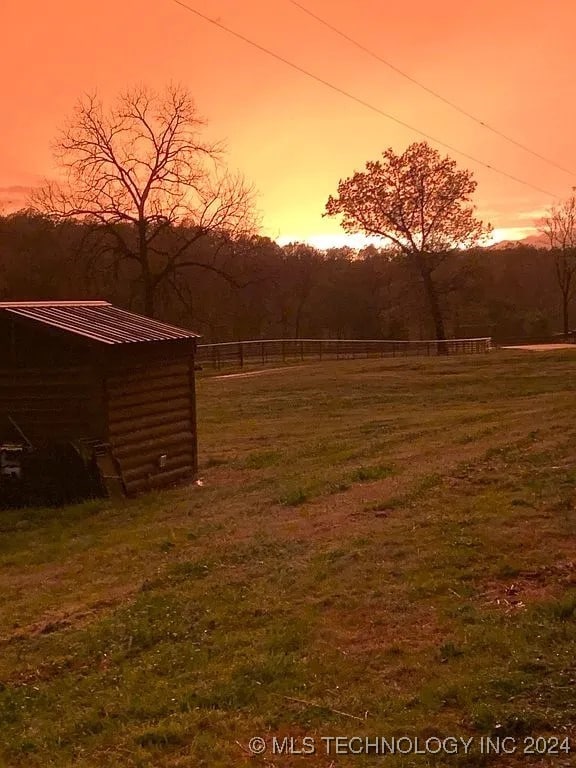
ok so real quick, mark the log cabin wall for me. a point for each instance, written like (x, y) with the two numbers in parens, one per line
(52, 387)
(53, 405)
(152, 420)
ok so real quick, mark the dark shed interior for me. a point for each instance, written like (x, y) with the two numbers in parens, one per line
(113, 389)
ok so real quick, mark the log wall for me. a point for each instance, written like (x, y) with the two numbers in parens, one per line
(53, 404)
(151, 413)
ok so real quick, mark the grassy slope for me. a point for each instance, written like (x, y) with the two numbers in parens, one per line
(389, 539)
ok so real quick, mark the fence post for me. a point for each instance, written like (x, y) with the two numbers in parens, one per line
(301, 350)
(320, 349)
(262, 350)
(241, 354)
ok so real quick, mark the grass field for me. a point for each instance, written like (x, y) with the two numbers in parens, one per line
(379, 548)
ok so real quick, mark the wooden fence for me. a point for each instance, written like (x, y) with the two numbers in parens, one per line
(241, 353)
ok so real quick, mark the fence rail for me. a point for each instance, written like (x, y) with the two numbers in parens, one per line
(241, 353)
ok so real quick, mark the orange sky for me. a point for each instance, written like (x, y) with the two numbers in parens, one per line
(510, 62)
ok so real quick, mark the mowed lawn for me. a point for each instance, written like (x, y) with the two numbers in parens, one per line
(378, 548)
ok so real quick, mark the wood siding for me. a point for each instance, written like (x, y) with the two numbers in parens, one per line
(151, 413)
(53, 404)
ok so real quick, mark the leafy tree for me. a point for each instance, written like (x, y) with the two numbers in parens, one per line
(560, 228)
(299, 272)
(420, 202)
(141, 172)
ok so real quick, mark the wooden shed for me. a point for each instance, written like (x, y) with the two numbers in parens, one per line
(115, 385)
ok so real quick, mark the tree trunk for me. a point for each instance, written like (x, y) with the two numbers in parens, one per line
(435, 311)
(148, 301)
(147, 282)
(298, 320)
(565, 313)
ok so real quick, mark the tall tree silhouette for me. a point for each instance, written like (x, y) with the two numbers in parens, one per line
(560, 228)
(141, 171)
(420, 202)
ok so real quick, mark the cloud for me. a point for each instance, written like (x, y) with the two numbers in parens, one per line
(14, 196)
(16, 189)
(534, 215)
(500, 234)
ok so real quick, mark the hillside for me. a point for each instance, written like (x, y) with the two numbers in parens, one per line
(535, 241)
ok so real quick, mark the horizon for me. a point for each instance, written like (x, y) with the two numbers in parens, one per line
(358, 241)
(337, 239)
(324, 241)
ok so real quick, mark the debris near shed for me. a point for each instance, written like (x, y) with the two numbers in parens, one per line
(51, 475)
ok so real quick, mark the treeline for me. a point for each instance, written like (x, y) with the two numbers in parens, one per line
(250, 288)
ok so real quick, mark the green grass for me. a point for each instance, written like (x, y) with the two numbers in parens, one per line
(385, 540)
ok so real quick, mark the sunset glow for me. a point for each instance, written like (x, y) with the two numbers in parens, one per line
(290, 136)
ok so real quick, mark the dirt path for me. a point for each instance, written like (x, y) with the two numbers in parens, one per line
(542, 347)
(260, 371)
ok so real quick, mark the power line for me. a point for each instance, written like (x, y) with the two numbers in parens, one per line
(357, 99)
(434, 93)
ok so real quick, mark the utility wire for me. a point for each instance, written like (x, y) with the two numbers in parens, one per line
(357, 99)
(434, 93)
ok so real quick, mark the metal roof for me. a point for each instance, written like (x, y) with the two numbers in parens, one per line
(96, 320)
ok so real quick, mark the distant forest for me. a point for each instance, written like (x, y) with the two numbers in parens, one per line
(252, 288)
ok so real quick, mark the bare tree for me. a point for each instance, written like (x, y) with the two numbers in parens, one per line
(560, 228)
(420, 202)
(141, 172)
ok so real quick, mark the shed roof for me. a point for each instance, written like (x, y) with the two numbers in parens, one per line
(96, 320)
